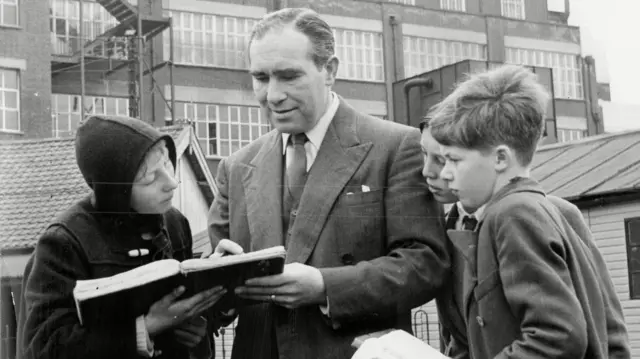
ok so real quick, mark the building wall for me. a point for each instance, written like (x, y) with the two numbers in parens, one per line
(26, 47)
(607, 225)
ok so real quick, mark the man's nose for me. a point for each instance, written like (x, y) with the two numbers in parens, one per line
(275, 93)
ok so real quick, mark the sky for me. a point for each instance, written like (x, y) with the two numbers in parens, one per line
(610, 33)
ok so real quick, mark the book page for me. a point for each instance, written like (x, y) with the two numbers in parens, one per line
(136, 277)
(406, 346)
(198, 264)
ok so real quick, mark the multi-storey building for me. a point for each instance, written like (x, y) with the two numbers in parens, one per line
(378, 42)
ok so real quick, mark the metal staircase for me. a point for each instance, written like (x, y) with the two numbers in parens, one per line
(126, 45)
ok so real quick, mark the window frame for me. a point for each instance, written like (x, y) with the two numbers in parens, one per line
(454, 5)
(190, 112)
(444, 54)
(203, 41)
(7, 3)
(629, 247)
(566, 69)
(71, 112)
(504, 6)
(369, 54)
(18, 92)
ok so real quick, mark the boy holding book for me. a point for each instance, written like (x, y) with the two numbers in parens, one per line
(127, 221)
(530, 288)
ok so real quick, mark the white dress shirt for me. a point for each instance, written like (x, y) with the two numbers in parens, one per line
(315, 135)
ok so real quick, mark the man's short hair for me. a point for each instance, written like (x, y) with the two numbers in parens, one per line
(503, 106)
(307, 22)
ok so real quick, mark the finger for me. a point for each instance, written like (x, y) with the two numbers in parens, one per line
(251, 290)
(174, 295)
(268, 281)
(226, 246)
(187, 338)
(206, 304)
(207, 253)
(203, 296)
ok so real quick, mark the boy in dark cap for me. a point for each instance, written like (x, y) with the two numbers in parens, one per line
(126, 222)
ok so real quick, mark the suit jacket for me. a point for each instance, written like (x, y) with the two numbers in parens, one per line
(617, 336)
(453, 335)
(381, 252)
(533, 290)
(453, 328)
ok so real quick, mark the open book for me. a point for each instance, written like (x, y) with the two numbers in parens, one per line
(131, 293)
(393, 344)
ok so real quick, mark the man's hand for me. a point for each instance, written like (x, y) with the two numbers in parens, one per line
(169, 311)
(297, 286)
(224, 247)
(191, 332)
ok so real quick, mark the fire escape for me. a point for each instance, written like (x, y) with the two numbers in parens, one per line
(129, 45)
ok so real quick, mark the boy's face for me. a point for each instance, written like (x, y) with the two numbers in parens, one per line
(433, 164)
(471, 175)
(153, 187)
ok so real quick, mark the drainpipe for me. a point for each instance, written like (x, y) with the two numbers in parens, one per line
(416, 82)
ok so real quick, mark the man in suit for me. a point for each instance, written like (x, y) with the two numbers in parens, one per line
(340, 189)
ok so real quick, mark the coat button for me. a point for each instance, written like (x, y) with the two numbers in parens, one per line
(347, 259)
(294, 212)
(480, 321)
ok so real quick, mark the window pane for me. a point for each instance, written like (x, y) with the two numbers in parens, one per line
(11, 99)
(10, 14)
(12, 120)
(10, 79)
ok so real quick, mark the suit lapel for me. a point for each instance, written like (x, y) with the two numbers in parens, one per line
(263, 188)
(466, 243)
(338, 158)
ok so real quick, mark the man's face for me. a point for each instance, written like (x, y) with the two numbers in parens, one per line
(293, 93)
(470, 174)
(153, 187)
(433, 164)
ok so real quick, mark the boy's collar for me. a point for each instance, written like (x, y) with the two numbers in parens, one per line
(515, 185)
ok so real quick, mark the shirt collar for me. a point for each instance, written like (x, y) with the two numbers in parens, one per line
(478, 213)
(316, 134)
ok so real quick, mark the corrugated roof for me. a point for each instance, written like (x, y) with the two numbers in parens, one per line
(38, 179)
(591, 167)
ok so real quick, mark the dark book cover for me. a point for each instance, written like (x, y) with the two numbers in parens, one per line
(131, 303)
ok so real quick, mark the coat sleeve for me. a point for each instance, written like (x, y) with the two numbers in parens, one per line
(537, 285)
(52, 329)
(416, 262)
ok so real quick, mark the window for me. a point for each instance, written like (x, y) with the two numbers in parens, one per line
(454, 5)
(423, 54)
(9, 12)
(9, 99)
(208, 40)
(566, 135)
(513, 8)
(65, 29)
(223, 129)
(360, 54)
(556, 5)
(65, 111)
(567, 70)
(632, 233)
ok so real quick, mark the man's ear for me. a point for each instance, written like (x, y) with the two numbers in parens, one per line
(332, 70)
(504, 158)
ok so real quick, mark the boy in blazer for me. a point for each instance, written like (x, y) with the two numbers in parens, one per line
(530, 287)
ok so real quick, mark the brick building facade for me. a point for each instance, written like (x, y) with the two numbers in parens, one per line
(378, 42)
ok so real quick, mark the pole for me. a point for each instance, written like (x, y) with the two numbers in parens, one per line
(173, 90)
(82, 70)
(140, 63)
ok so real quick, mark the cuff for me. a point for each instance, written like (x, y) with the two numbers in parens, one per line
(143, 342)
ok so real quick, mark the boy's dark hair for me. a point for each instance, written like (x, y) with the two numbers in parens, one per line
(502, 106)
